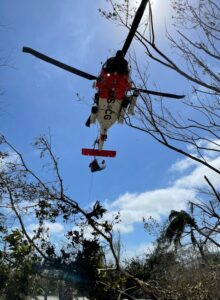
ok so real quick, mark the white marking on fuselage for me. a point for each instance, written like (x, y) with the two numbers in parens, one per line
(108, 112)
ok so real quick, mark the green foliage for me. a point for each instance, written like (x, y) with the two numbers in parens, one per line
(97, 212)
(178, 276)
(16, 266)
(4, 274)
(86, 265)
(19, 247)
(32, 264)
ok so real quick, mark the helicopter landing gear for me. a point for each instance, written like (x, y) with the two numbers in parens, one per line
(133, 102)
(92, 117)
(99, 144)
(93, 114)
(124, 106)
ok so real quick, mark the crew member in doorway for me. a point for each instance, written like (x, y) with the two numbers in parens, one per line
(117, 64)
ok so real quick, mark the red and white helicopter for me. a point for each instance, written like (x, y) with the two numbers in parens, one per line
(113, 84)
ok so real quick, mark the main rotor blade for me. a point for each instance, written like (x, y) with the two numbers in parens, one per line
(134, 25)
(168, 95)
(59, 64)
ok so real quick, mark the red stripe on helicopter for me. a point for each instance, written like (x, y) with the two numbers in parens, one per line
(118, 83)
(96, 152)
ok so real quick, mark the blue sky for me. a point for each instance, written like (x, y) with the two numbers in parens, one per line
(40, 99)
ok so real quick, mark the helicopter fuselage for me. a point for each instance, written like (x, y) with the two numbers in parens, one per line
(111, 102)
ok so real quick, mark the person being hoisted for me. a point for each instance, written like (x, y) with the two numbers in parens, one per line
(94, 166)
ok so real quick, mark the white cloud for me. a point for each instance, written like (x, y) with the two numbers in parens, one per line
(158, 203)
(196, 178)
(182, 165)
(11, 158)
(138, 251)
(123, 227)
(54, 228)
(134, 207)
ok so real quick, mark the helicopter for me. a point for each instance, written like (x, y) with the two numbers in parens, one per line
(112, 100)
